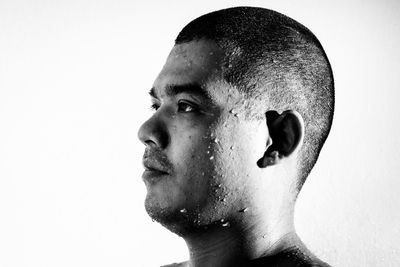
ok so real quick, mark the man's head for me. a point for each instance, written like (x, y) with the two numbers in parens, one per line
(243, 106)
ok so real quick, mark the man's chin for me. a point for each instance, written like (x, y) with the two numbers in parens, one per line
(178, 221)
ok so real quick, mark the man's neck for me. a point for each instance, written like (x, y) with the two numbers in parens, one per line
(236, 244)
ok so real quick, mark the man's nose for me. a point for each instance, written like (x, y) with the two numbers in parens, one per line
(153, 132)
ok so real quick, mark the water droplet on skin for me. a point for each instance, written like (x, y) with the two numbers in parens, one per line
(208, 152)
(227, 224)
(183, 210)
(244, 210)
(222, 220)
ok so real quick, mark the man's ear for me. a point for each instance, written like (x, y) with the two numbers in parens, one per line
(286, 132)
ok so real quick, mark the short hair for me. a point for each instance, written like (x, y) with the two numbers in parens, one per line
(277, 63)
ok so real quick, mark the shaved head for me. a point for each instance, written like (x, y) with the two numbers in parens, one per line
(242, 107)
(278, 64)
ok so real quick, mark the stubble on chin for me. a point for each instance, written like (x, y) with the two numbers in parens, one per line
(179, 221)
(184, 222)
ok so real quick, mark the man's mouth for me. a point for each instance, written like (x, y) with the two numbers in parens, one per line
(153, 175)
(157, 166)
(154, 171)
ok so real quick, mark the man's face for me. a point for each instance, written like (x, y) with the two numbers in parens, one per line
(201, 154)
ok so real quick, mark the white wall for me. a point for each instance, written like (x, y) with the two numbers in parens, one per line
(74, 77)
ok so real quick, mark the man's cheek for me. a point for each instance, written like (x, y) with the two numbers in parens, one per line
(191, 147)
(199, 165)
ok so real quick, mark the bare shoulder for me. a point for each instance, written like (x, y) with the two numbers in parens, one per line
(290, 258)
(181, 264)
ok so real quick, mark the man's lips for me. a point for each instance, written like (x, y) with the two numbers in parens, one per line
(153, 165)
(152, 175)
(156, 165)
(153, 170)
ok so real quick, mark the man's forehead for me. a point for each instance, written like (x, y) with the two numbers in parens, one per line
(195, 62)
(198, 52)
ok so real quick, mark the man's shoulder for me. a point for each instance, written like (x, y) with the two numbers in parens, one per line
(289, 263)
(291, 258)
(181, 264)
(262, 263)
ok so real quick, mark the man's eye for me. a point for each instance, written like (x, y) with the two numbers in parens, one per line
(185, 107)
(154, 106)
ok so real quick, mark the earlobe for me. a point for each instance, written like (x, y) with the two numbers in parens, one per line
(286, 132)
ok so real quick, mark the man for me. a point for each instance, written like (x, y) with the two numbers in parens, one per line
(242, 107)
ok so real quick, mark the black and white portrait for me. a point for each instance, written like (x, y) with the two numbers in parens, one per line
(250, 133)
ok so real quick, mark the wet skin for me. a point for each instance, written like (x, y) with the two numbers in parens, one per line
(199, 139)
(202, 177)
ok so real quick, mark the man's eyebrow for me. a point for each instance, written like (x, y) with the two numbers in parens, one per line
(190, 88)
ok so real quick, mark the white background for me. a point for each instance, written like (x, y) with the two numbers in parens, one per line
(74, 77)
